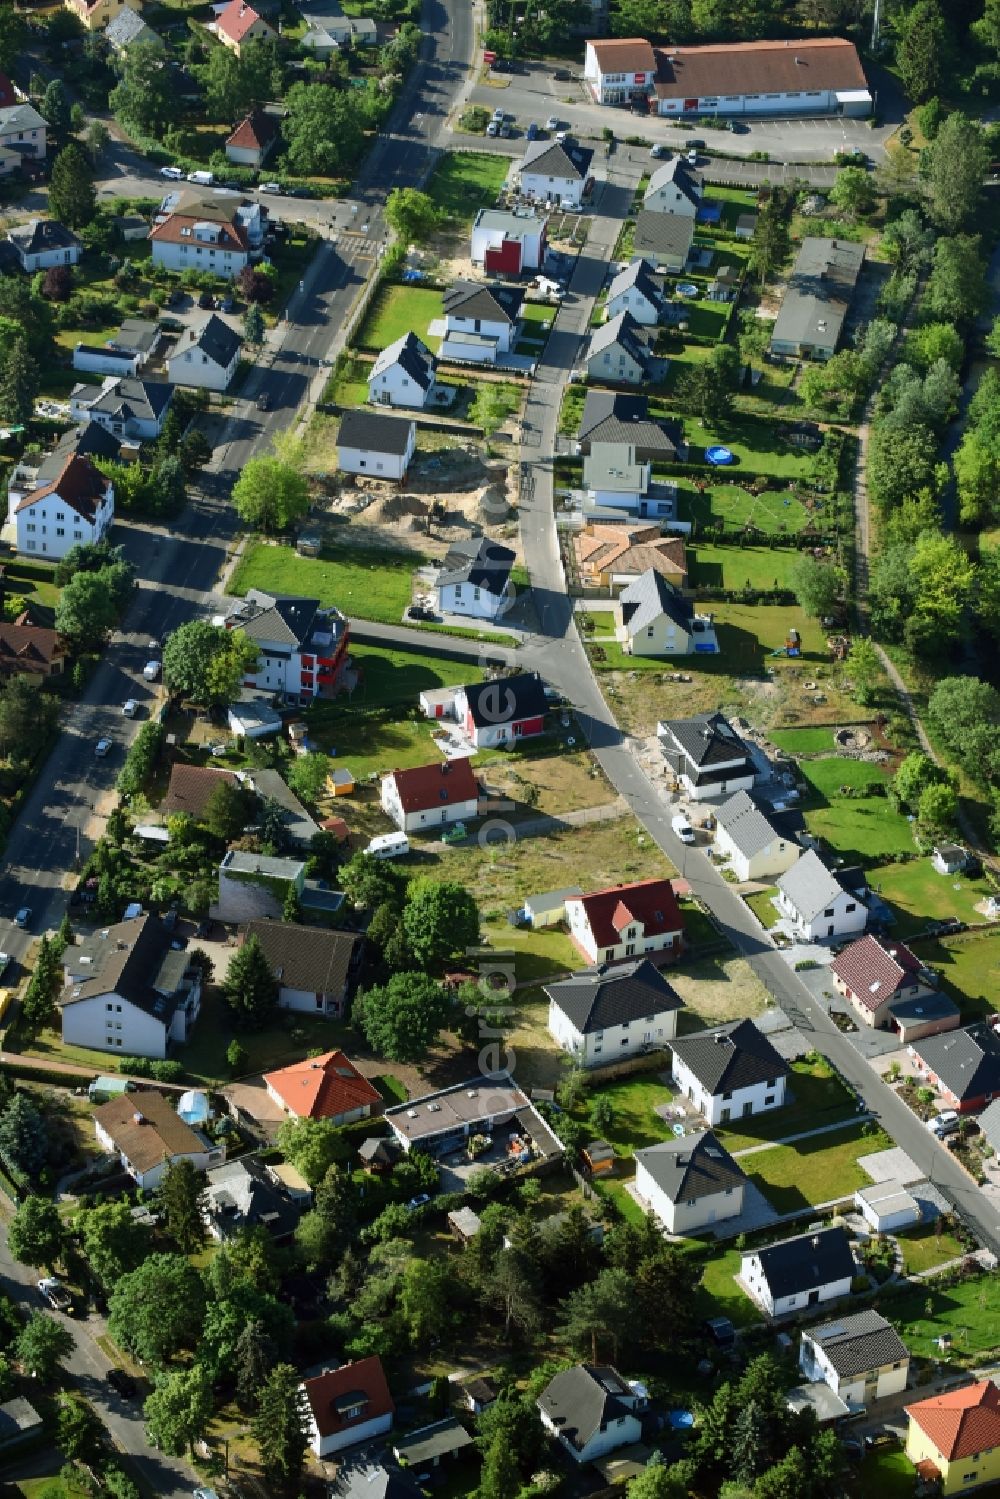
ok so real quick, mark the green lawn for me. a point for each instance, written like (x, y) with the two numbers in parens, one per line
(969, 966)
(818, 1098)
(465, 181)
(397, 310)
(858, 828)
(773, 512)
(350, 388)
(370, 584)
(760, 903)
(813, 1171)
(748, 635)
(720, 1296)
(924, 1248)
(827, 776)
(734, 567)
(969, 1311)
(636, 1122)
(918, 894)
(756, 444)
(889, 1474)
(802, 741)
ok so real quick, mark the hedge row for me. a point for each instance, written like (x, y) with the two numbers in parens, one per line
(32, 1074)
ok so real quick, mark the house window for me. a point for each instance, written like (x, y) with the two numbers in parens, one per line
(109, 1007)
(629, 949)
(828, 911)
(727, 1095)
(60, 530)
(31, 525)
(852, 907)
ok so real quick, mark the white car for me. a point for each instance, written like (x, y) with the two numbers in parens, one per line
(270, 187)
(173, 173)
(102, 748)
(552, 123)
(944, 1123)
(498, 115)
(657, 151)
(682, 828)
(151, 670)
(562, 135)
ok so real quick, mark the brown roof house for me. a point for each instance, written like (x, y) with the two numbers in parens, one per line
(191, 786)
(29, 650)
(888, 988)
(76, 505)
(613, 556)
(310, 964)
(128, 991)
(253, 140)
(147, 1136)
(348, 1406)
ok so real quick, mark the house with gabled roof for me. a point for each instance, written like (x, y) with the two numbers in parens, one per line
(206, 358)
(613, 1011)
(889, 988)
(43, 243)
(752, 846)
(348, 1406)
(183, 240)
(591, 1411)
(618, 352)
(707, 756)
(620, 416)
(964, 1065)
(634, 290)
(493, 714)
(303, 644)
(96, 15)
(818, 298)
(663, 240)
(798, 1273)
(861, 1358)
(128, 28)
(556, 172)
(428, 797)
(657, 620)
(690, 1183)
(23, 131)
(675, 187)
(820, 903)
(327, 1087)
(312, 965)
(128, 408)
(238, 24)
(474, 578)
(953, 1439)
(730, 1072)
(127, 990)
(375, 446)
(149, 1137)
(480, 322)
(29, 650)
(76, 505)
(243, 1194)
(191, 787)
(626, 921)
(254, 138)
(404, 374)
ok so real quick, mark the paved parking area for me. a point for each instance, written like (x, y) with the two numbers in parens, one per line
(890, 1165)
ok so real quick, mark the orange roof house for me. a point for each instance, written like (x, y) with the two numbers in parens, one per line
(328, 1087)
(954, 1438)
(348, 1405)
(253, 139)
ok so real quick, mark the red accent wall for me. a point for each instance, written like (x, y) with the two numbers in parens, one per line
(506, 258)
(527, 726)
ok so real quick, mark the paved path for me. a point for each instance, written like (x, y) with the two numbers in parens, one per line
(806, 1134)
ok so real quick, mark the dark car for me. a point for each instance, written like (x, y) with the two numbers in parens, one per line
(737, 127)
(639, 104)
(562, 75)
(175, 298)
(123, 1384)
(418, 611)
(695, 143)
(721, 1331)
(228, 304)
(263, 402)
(207, 301)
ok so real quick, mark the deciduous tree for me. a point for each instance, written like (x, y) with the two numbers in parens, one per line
(35, 1234)
(307, 775)
(179, 1409)
(42, 1345)
(113, 1243)
(158, 1308)
(403, 1018)
(310, 1145)
(817, 585)
(440, 919)
(269, 495)
(953, 170)
(410, 214)
(207, 663)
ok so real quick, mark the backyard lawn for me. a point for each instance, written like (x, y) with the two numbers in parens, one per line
(749, 637)
(918, 894)
(817, 1098)
(636, 1123)
(924, 1248)
(397, 310)
(370, 584)
(803, 741)
(889, 1474)
(350, 387)
(859, 828)
(720, 1296)
(734, 567)
(969, 966)
(773, 511)
(465, 181)
(761, 903)
(757, 446)
(819, 1170)
(969, 1311)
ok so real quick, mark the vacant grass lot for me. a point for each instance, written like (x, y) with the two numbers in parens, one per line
(397, 310)
(717, 989)
(803, 741)
(822, 1169)
(817, 1098)
(970, 1312)
(761, 904)
(734, 567)
(969, 966)
(858, 828)
(370, 584)
(465, 181)
(918, 894)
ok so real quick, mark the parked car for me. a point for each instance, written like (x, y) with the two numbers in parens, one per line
(174, 174)
(505, 129)
(102, 748)
(269, 187)
(944, 1123)
(55, 1294)
(639, 104)
(417, 1202)
(23, 918)
(721, 1331)
(493, 128)
(737, 127)
(696, 143)
(532, 131)
(660, 153)
(682, 828)
(151, 670)
(561, 75)
(552, 123)
(206, 302)
(227, 304)
(420, 611)
(123, 1384)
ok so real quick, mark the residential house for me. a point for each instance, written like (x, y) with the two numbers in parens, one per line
(148, 1137)
(98, 14)
(125, 352)
(876, 975)
(374, 445)
(128, 408)
(238, 24)
(191, 788)
(964, 1066)
(725, 283)
(328, 29)
(256, 886)
(127, 28)
(219, 243)
(428, 1446)
(10, 162)
(615, 479)
(887, 1207)
(949, 858)
(365, 1481)
(556, 172)
(817, 298)
(31, 651)
(752, 846)
(591, 1411)
(507, 243)
(206, 357)
(989, 1125)
(303, 644)
(42, 243)
(819, 903)
(953, 1439)
(690, 1183)
(348, 1406)
(626, 921)
(404, 374)
(429, 797)
(656, 620)
(861, 1357)
(76, 505)
(617, 416)
(243, 1194)
(706, 755)
(20, 1423)
(441, 1123)
(327, 1087)
(502, 712)
(22, 130)
(612, 1012)
(617, 351)
(663, 239)
(675, 187)
(128, 991)
(299, 828)
(474, 579)
(797, 1273)
(253, 140)
(480, 322)
(731, 1072)
(312, 965)
(634, 290)
(610, 556)
(821, 76)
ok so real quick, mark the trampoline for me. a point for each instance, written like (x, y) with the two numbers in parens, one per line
(718, 457)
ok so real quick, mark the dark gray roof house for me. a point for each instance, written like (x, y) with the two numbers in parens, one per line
(242, 1194)
(746, 824)
(478, 561)
(134, 961)
(216, 340)
(373, 431)
(310, 958)
(692, 1167)
(412, 356)
(558, 159)
(626, 333)
(677, 171)
(582, 1402)
(271, 786)
(637, 276)
(966, 1063)
(730, 1057)
(858, 1343)
(490, 304)
(811, 886)
(279, 618)
(430, 1443)
(705, 748)
(989, 1124)
(663, 236)
(127, 28)
(40, 235)
(820, 290)
(807, 1262)
(650, 596)
(360, 1482)
(524, 697)
(613, 416)
(613, 994)
(126, 400)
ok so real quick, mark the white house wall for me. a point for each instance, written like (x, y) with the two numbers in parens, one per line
(741, 1103)
(687, 1217)
(362, 1431)
(133, 1033)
